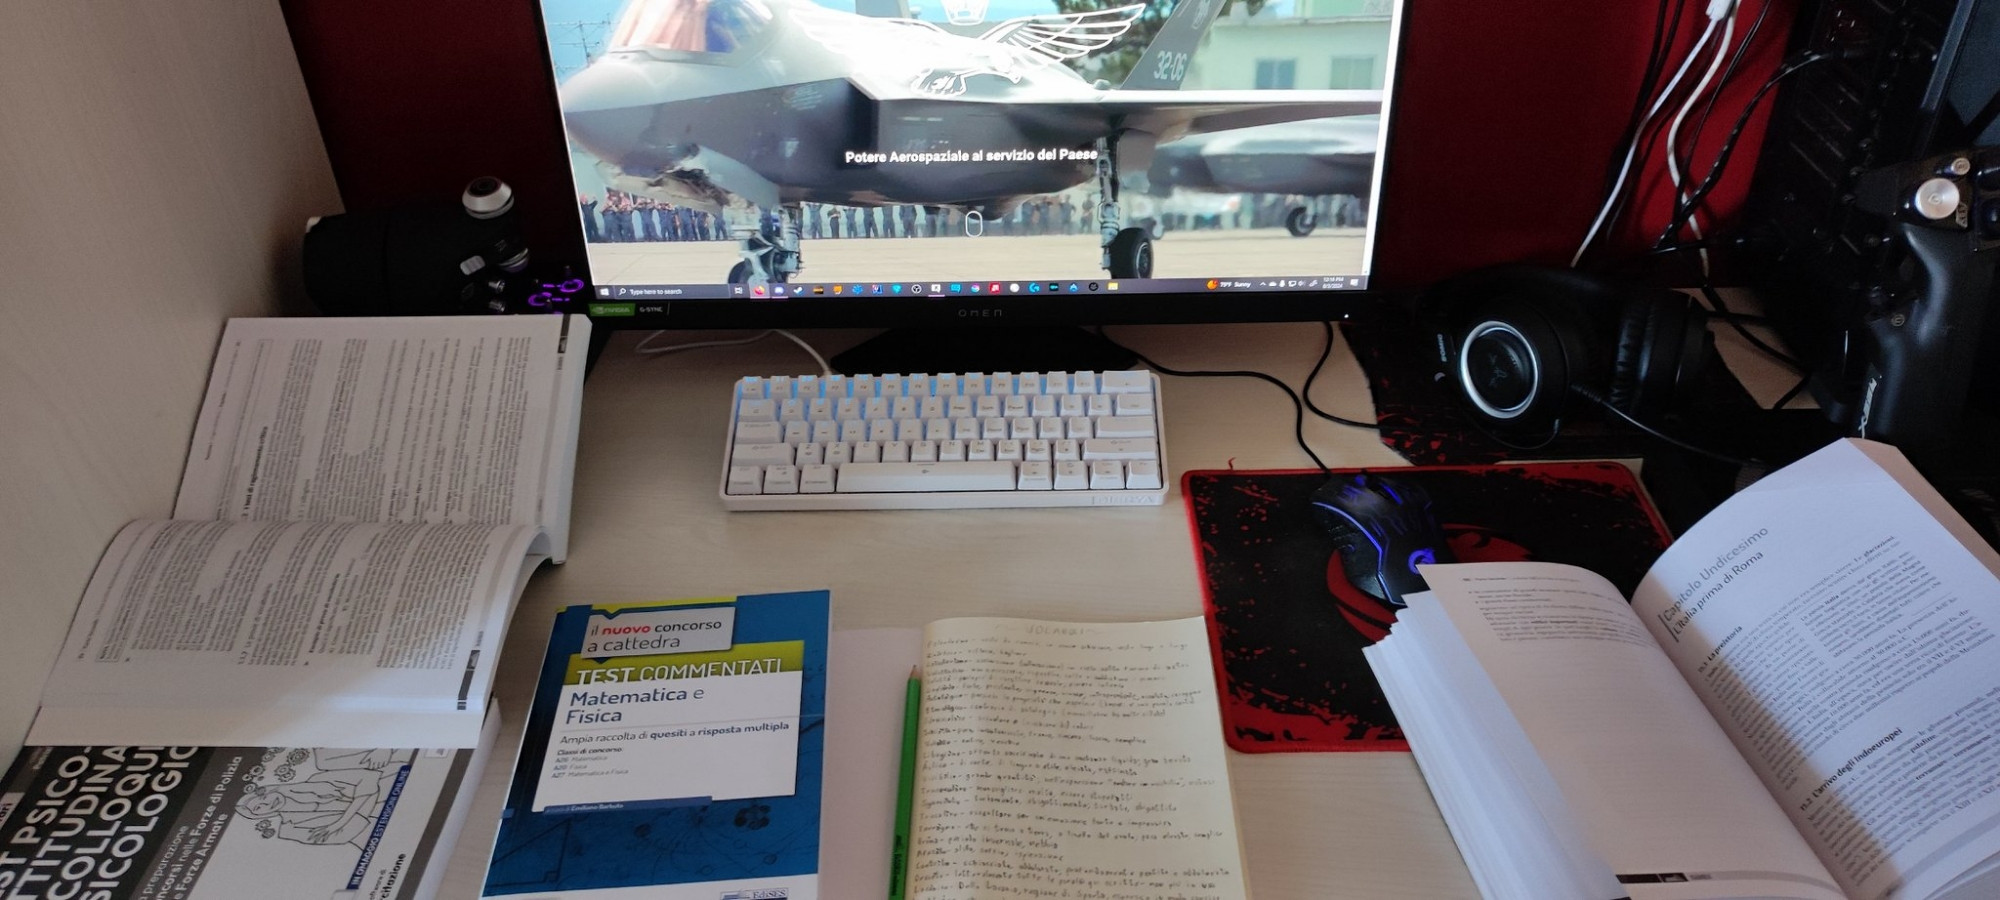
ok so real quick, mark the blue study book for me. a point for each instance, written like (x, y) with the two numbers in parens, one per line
(674, 750)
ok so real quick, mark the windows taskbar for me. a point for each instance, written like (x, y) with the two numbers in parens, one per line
(625, 299)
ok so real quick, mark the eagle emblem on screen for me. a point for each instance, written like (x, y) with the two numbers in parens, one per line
(945, 61)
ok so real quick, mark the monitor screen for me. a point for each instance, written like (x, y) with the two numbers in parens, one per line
(888, 162)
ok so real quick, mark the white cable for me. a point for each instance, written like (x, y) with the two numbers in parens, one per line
(644, 350)
(1632, 149)
(1673, 130)
(824, 369)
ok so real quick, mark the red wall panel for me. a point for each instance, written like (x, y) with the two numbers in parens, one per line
(1506, 120)
(416, 99)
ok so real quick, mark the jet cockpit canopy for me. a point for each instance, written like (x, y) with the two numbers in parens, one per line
(691, 26)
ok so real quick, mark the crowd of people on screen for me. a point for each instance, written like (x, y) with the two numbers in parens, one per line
(621, 217)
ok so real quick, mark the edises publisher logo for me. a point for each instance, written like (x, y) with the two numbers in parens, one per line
(758, 894)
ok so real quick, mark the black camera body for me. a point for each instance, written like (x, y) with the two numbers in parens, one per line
(1920, 339)
(1853, 234)
(425, 259)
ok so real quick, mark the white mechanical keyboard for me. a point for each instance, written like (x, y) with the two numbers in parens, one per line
(945, 441)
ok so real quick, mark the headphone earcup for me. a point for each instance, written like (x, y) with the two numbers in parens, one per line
(1513, 340)
(1661, 343)
(1519, 344)
(1636, 325)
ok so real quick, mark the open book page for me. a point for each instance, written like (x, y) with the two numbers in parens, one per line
(1655, 784)
(412, 419)
(1520, 839)
(1085, 756)
(1844, 638)
(1507, 815)
(307, 634)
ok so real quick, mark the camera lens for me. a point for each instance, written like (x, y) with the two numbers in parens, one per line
(487, 197)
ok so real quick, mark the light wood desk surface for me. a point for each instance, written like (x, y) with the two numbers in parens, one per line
(647, 524)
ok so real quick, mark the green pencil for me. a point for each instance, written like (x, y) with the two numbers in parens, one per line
(906, 783)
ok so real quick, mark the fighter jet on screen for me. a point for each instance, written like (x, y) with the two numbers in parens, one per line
(1312, 158)
(735, 106)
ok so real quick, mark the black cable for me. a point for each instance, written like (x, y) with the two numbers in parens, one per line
(1305, 390)
(1702, 243)
(1645, 133)
(1721, 310)
(1750, 318)
(1656, 58)
(1298, 406)
(1685, 210)
(1555, 431)
(1597, 398)
(1794, 392)
(1728, 73)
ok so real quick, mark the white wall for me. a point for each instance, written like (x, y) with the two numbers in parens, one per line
(1230, 51)
(158, 159)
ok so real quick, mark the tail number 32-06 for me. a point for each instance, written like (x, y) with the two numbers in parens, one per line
(1171, 66)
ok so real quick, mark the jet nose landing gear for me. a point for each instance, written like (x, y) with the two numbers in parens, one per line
(1131, 254)
(1301, 221)
(1128, 252)
(770, 248)
(741, 273)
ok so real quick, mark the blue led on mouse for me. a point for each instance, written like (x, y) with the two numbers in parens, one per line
(1384, 529)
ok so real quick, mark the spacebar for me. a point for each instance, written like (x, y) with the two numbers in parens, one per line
(876, 478)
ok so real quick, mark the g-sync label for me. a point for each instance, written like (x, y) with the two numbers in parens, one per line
(659, 631)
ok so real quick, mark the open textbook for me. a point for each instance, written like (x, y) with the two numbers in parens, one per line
(391, 419)
(1053, 757)
(362, 506)
(1801, 700)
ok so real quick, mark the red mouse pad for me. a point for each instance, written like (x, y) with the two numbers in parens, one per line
(1286, 627)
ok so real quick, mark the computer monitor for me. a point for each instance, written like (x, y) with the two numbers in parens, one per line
(801, 163)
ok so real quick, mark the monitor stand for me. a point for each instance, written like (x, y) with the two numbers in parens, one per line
(1056, 348)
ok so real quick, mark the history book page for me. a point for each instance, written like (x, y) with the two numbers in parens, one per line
(1655, 785)
(1838, 622)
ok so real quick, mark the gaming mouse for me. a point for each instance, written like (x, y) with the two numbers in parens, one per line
(1384, 530)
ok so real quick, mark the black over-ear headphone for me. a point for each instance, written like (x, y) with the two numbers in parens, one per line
(1525, 346)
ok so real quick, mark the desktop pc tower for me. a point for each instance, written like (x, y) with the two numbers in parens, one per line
(1872, 229)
